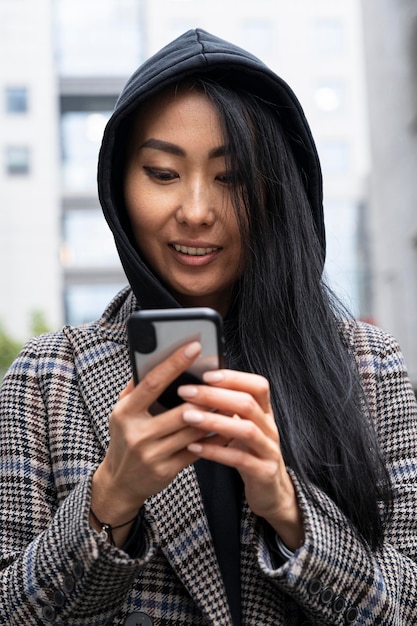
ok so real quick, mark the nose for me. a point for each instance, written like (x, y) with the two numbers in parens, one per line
(197, 205)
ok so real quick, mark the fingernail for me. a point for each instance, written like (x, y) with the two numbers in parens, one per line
(193, 417)
(192, 350)
(213, 376)
(187, 391)
(195, 447)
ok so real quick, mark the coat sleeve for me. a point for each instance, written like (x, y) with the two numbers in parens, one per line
(334, 577)
(54, 568)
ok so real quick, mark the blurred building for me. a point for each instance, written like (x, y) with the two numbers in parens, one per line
(75, 55)
(391, 59)
(30, 274)
(97, 45)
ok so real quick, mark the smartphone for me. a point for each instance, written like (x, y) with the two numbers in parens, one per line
(154, 334)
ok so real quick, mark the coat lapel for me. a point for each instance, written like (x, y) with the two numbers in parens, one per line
(186, 542)
(102, 362)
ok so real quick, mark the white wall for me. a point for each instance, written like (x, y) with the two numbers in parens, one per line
(29, 204)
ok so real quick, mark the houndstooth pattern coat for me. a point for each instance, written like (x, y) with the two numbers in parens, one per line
(54, 568)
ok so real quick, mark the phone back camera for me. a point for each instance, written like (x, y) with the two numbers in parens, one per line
(146, 338)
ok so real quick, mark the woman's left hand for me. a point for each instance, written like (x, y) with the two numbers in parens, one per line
(244, 417)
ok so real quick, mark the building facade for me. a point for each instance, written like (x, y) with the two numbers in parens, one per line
(391, 59)
(93, 46)
(30, 275)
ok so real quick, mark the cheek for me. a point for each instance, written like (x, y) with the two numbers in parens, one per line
(144, 224)
(234, 230)
(140, 205)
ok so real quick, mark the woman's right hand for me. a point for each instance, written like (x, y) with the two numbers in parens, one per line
(146, 451)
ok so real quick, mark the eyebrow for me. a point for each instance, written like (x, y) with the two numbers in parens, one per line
(172, 148)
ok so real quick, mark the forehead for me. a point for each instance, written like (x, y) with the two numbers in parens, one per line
(176, 112)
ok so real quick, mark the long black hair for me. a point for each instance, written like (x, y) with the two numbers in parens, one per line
(286, 324)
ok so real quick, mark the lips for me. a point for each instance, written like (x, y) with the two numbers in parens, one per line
(193, 251)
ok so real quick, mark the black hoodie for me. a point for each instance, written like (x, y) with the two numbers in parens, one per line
(196, 52)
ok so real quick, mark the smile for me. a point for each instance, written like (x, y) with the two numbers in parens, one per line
(193, 251)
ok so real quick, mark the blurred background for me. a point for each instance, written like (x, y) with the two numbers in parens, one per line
(352, 64)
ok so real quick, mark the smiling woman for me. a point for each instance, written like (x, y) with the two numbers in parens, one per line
(179, 202)
(286, 515)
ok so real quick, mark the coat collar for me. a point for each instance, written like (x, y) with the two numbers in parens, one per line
(101, 360)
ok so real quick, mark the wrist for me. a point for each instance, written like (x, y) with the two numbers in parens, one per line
(287, 523)
(112, 513)
(282, 548)
(107, 531)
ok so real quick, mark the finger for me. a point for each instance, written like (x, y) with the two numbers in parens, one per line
(156, 381)
(245, 432)
(170, 446)
(230, 456)
(254, 384)
(229, 402)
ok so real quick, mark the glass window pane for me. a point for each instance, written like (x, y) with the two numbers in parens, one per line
(342, 270)
(86, 303)
(98, 37)
(88, 242)
(16, 100)
(81, 134)
(17, 160)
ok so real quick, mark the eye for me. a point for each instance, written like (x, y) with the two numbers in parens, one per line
(225, 179)
(228, 178)
(164, 176)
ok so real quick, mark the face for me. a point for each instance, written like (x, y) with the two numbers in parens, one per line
(178, 197)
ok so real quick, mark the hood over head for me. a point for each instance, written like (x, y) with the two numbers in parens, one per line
(195, 53)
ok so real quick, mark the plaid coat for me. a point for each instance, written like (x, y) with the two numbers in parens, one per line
(54, 568)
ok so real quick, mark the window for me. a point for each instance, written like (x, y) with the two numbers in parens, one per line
(17, 160)
(16, 100)
(86, 303)
(342, 266)
(81, 134)
(98, 37)
(88, 242)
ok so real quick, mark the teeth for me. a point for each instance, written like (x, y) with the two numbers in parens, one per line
(193, 251)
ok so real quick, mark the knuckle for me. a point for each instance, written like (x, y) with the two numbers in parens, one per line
(245, 463)
(248, 404)
(271, 471)
(152, 382)
(116, 416)
(162, 473)
(251, 430)
(145, 454)
(160, 376)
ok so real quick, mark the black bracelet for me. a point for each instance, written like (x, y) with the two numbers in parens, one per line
(106, 532)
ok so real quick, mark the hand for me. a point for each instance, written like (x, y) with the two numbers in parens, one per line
(146, 452)
(244, 418)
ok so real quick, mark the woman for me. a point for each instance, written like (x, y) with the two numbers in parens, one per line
(302, 508)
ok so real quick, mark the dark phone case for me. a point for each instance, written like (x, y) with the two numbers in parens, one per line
(141, 339)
